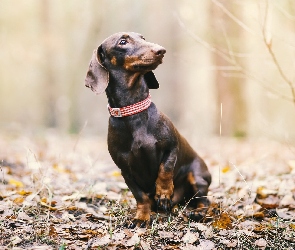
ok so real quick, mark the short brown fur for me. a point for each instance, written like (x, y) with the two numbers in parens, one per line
(159, 166)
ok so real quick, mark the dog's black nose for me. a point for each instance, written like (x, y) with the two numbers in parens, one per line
(160, 52)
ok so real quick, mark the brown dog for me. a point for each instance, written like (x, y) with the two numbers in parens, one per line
(158, 165)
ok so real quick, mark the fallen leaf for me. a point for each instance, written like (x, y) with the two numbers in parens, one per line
(133, 240)
(128, 233)
(16, 183)
(189, 247)
(24, 193)
(225, 169)
(102, 241)
(118, 236)
(287, 201)
(223, 232)
(23, 216)
(248, 225)
(10, 217)
(263, 192)
(18, 200)
(75, 196)
(44, 199)
(165, 234)
(52, 231)
(116, 173)
(250, 210)
(223, 222)
(68, 217)
(208, 234)
(260, 228)
(15, 240)
(83, 236)
(60, 168)
(206, 245)
(145, 245)
(269, 202)
(48, 206)
(190, 237)
(285, 213)
(261, 243)
(199, 226)
(229, 243)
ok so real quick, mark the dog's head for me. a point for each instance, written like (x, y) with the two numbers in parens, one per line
(125, 51)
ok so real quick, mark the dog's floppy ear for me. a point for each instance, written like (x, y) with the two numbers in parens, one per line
(151, 80)
(97, 77)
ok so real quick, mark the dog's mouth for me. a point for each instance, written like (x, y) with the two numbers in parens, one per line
(143, 63)
(147, 64)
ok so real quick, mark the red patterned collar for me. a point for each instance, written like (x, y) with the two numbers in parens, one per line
(131, 109)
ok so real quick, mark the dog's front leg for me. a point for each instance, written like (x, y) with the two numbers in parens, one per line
(164, 182)
(144, 203)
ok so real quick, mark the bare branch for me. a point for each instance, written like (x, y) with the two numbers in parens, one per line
(284, 12)
(268, 43)
(235, 19)
(229, 45)
(235, 65)
(204, 43)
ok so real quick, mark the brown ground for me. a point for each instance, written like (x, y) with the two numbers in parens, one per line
(63, 192)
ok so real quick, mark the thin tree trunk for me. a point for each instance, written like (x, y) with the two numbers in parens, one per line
(230, 90)
(49, 86)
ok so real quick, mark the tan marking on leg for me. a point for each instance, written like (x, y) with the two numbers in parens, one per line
(191, 179)
(143, 211)
(201, 206)
(164, 184)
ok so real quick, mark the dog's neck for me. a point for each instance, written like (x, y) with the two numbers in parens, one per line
(126, 90)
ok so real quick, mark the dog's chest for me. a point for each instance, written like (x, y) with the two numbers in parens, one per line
(133, 152)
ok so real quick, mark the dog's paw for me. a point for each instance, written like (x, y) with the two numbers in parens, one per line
(197, 215)
(137, 223)
(164, 196)
(163, 203)
(143, 214)
(200, 214)
(142, 223)
(164, 189)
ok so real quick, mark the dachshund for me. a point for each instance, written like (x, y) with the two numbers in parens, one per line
(158, 165)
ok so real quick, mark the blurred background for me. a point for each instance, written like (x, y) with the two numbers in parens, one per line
(229, 66)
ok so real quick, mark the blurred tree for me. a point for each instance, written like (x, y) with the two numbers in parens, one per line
(89, 36)
(228, 37)
(49, 81)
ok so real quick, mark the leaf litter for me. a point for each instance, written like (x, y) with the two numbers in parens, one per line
(64, 192)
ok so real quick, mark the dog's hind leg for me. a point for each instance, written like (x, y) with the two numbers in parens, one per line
(199, 182)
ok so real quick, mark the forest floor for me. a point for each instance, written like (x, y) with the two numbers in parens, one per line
(64, 192)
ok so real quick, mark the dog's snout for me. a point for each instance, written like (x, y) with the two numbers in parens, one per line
(160, 52)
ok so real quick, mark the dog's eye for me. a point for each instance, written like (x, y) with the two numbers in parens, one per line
(123, 42)
(143, 38)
